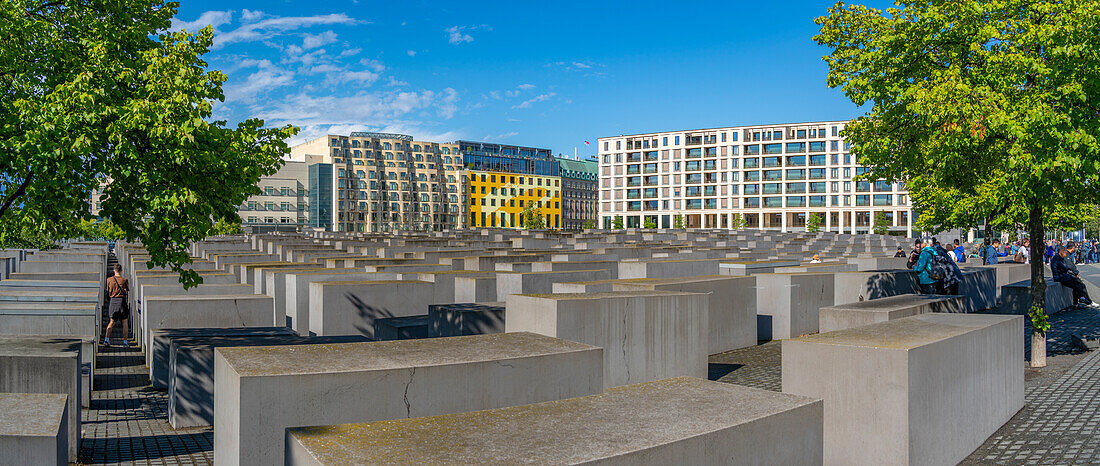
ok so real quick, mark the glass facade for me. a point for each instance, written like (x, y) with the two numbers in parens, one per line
(320, 195)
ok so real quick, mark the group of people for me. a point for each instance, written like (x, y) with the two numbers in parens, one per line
(939, 273)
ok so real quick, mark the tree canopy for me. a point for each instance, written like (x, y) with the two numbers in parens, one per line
(986, 108)
(100, 92)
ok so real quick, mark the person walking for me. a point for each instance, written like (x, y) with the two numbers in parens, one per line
(952, 274)
(928, 271)
(992, 252)
(1065, 272)
(1025, 251)
(960, 252)
(117, 290)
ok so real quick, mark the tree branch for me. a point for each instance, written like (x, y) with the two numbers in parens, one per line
(15, 195)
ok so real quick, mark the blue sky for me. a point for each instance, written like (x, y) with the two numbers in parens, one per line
(544, 74)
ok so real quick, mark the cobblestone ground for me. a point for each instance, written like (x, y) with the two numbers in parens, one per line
(127, 422)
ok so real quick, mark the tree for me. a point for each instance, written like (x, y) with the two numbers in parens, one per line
(617, 222)
(100, 92)
(980, 103)
(228, 226)
(813, 223)
(882, 223)
(649, 224)
(590, 224)
(738, 222)
(532, 218)
(678, 221)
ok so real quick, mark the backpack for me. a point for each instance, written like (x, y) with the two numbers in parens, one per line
(1019, 258)
(936, 269)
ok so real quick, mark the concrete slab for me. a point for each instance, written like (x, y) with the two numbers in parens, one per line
(34, 429)
(350, 307)
(45, 369)
(788, 303)
(926, 389)
(452, 320)
(190, 374)
(862, 313)
(649, 335)
(261, 391)
(673, 421)
(206, 311)
(160, 345)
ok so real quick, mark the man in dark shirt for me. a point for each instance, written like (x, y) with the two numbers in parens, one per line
(1065, 272)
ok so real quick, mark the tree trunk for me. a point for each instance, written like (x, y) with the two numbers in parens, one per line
(1038, 283)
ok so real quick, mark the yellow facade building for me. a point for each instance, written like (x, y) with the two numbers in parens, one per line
(498, 199)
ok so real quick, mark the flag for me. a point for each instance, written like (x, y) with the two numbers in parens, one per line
(587, 143)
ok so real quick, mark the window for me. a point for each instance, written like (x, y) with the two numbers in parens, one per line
(752, 189)
(883, 199)
(773, 201)
(752, 176)
(863, 200)
(733, 137)
(817, 146)
(771, 162)
(772, 188)
(723, 137)
(796, 201)
(817, 201)
(751, 202)
(773, 148)
(664, 141)
(817, 160)
(752, 149)
(817, 173)
(796, 147)
(796, 161)
(798, 174)
(773, 175)
(817, 187)
(752, 163)
(796, 188)
(676, 140)
(800, 134)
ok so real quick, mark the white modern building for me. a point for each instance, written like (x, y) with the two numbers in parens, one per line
(773, 176)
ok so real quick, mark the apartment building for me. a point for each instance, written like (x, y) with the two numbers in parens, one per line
(771, 177)
(504, 180)
(377, 182)
(282, 205)
(579, 192)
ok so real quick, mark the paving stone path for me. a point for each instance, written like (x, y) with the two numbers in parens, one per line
(127, 422)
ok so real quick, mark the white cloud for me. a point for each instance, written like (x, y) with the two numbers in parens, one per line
(448, 103)
(209, 18)
(266, 77)
(391, 81)
(350, 52)
(581, 65)
(249, 16)
(312, 41)
(270, 27)
(525, 87)
(364, 108)
(500, 137)
(456, 36)
(411, 53)
(534, 100)
(373, 65)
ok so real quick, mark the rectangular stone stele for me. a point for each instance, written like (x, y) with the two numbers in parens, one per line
(401, 328)
(261, 391)
(184, 311)
(926, 389)
(160, 345)
(681, 420)
(731, 315)
(452, 320)
(191, 371)
(648, 335)
(45, 370)
(34, 429)
(881, 310)
(351, 307)
(788, 303)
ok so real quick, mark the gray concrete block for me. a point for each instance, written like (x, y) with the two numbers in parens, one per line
(298, 293)
(261, 391)
(753, 267)
(853, 287)
(868, 312)
(476, 289)
(452, 320)
(34, 429)
(926, 389)
(160, 345)
(1016, 298)
(731, 315)
(34, 369)
(648, 335)
(191, 371)
(186, 311)
(788, 303)
(673, 421)
(401, 328)
(351, 307)
(509, 283)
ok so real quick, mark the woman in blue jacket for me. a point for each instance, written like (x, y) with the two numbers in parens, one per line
(928, 285)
